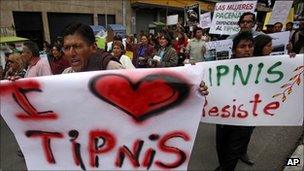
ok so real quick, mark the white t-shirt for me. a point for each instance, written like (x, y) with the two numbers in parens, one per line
(126, 62)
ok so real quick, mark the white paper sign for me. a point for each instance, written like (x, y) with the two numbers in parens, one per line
(158, 58)
(280, 41)
(172, 19)
(226, 16)
(107, 120)
(218, 50)
(280, 11)
(256, 91)
(205, 20)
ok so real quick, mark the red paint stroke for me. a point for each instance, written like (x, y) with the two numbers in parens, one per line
(148, 158)
(150, 95)
(133, 156)
(108, 144)
(18, 89)
(76, 149)
(181, 155)
(46, 141)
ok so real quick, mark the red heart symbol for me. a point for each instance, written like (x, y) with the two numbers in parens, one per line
(150, 95)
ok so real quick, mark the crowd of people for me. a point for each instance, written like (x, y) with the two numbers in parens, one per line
(78, 52)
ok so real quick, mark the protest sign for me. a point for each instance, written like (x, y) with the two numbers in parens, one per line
(280, 41)
(280, 11)
(192, 15)
(226, 16)
(256, 91)
(205, 20)
(172, 19)
(218, 50)
(105, 120)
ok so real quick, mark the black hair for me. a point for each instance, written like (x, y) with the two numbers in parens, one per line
(197, 29)
(279, 23)
(33, 47)
(85, 31)
(168, 38)
(260, 42)
(245, 14)
(117, 38)
(244, 35)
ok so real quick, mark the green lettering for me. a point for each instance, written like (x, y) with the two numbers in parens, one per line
(271, 71)
(237, 69)
(210, 76)
(261, 65)
(222, 70)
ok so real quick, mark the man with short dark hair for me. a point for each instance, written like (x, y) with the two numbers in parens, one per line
(81, 50)
(246, 23)
(36, 66)
(196, 48)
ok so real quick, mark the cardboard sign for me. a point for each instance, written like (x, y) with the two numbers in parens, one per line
(256, 91)
(280, 11)
(172, 19)
(106, 120)
(192, 15)
(218, 50)
(226, 16)
(280, 41)
(205, 20)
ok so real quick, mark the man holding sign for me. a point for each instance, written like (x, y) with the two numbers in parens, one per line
(246, 23)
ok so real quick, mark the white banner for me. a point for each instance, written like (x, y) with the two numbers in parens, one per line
(256, 91)
(227, 14)
(111, 120)
(205, 20)
(280, 41)
(172, 19)
(280, 11)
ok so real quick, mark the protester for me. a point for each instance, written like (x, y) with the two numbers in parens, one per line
(297, 39)
(142, 52)
(57, 61)
(232, 141)
(196, 48)
(115, 38)
(246, 23)
(180, 46)
(81, 51)
(46, 48)
(277, 27)
(167, 56)
(15, 66)
(262, 45)
(129, 46)
(36, 66)
(118, 52)
(289, 26)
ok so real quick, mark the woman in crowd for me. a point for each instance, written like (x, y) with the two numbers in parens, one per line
(57, 61)
(180, 46)
(166, 56)
(118, 52)
(15, 66)
(142, 52)
(262, 45)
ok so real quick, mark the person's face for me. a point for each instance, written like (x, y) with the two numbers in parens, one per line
(244, 49)
(56, 53)
(77, 51)
(267, 49)
(247, 23)
(144, 40)
(26, 55)
(289, 26)
(163, 42)
(199, 34)
(117, 51)
(277, 28)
